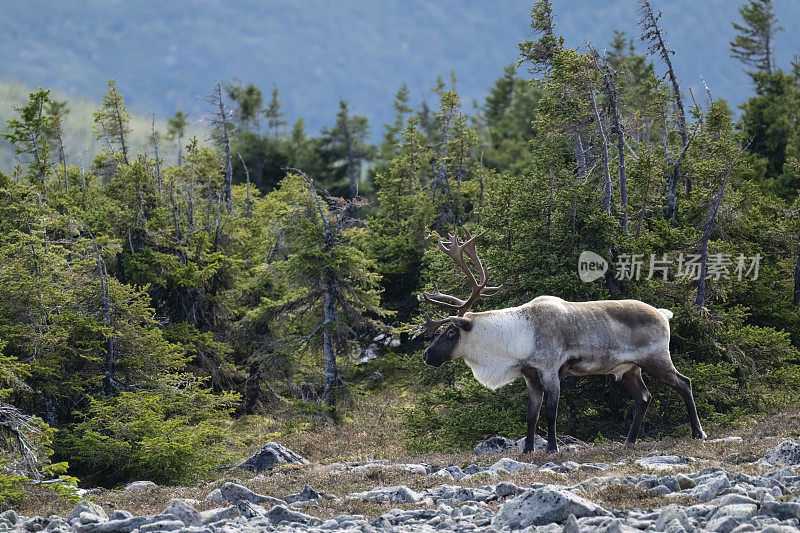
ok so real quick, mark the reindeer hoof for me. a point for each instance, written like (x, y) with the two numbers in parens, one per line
(550, 450)
(628, 445)
(699, 436)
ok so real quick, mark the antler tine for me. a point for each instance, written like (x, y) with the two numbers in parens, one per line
(455, 248)
(439, 298)
(430, 327)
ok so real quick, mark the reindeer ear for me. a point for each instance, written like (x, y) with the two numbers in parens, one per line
(461, 323)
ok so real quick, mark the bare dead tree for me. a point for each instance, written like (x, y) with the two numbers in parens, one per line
(247, 175)
(604, 153)
(612, 93)
(155, 149)
(220, 119)
(83, 175)
(653, 35)
(796, 295)
(17, 424)
(700, 301)
(56, 132)
(109, 384)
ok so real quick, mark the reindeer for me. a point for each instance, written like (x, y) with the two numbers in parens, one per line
(548, 339)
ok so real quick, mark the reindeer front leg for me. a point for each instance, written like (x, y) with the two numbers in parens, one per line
(552, 390)
(535, 393)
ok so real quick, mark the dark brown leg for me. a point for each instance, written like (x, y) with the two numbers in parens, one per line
(661, 368)
(632, 380)
(552, 390)
(535, 393)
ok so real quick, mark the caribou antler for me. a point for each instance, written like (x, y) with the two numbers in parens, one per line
(456, 249)
(430, 327)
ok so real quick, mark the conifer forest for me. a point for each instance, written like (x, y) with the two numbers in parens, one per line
(183, 289)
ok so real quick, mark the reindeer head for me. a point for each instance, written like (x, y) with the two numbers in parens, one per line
(444, 345)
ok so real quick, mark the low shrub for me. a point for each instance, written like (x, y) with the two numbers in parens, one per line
(171, 436)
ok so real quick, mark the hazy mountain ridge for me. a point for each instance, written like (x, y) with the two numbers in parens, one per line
(166, 55)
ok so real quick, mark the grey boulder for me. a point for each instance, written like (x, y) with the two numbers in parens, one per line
(545, 505)
(235, 493)
(785, 453)
(270, 456)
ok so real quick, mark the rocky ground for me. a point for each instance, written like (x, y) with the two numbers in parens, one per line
(657, 492)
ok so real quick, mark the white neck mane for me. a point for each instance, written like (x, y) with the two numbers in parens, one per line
(498, 342)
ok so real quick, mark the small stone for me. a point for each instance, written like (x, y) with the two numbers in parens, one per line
(685, 482)
(506, 488)
(235, 493)
(163, 525)
(787, 452)
(494, 445)
(397, 494)
(708, 489)
(90, 508)
(662, 462)
(184, 512)
(540, 506)
(279, 514)
(215, 496)
(661, 489)
(10, 516)
(724, 524)
(220, 513)
(670, 513)
(304, 495)
(139, 485)
(270, 456)
(780, 510)
(725, 439)
(509, 465)
(571, 525)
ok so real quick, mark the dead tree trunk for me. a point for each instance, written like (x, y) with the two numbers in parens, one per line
(155, 150)
(108, 385)
(580, 155)
(331, 317)
(604, 153)
(247, 199)
(796, 298)
(222, 123)
(121, 127)
(652, 34)
(616, 128)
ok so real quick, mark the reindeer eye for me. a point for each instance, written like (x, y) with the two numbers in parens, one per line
(451, 334)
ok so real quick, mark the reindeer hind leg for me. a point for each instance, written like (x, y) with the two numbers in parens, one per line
(661, 368)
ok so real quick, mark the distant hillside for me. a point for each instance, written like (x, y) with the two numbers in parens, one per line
(77, 126)
(166, 54)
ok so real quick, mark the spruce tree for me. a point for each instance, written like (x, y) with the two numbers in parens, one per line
(176, 129)
(754, 41)
(274, 114)
(112, 120)
(28, 132)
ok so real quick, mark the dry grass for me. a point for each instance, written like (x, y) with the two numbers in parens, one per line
(371, 430)
(632, 497)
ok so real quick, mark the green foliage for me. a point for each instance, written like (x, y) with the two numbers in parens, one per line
(753, 44)
(457, 417)
(770, 119)
(173, 435)
(29, 132)
(11, 488)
